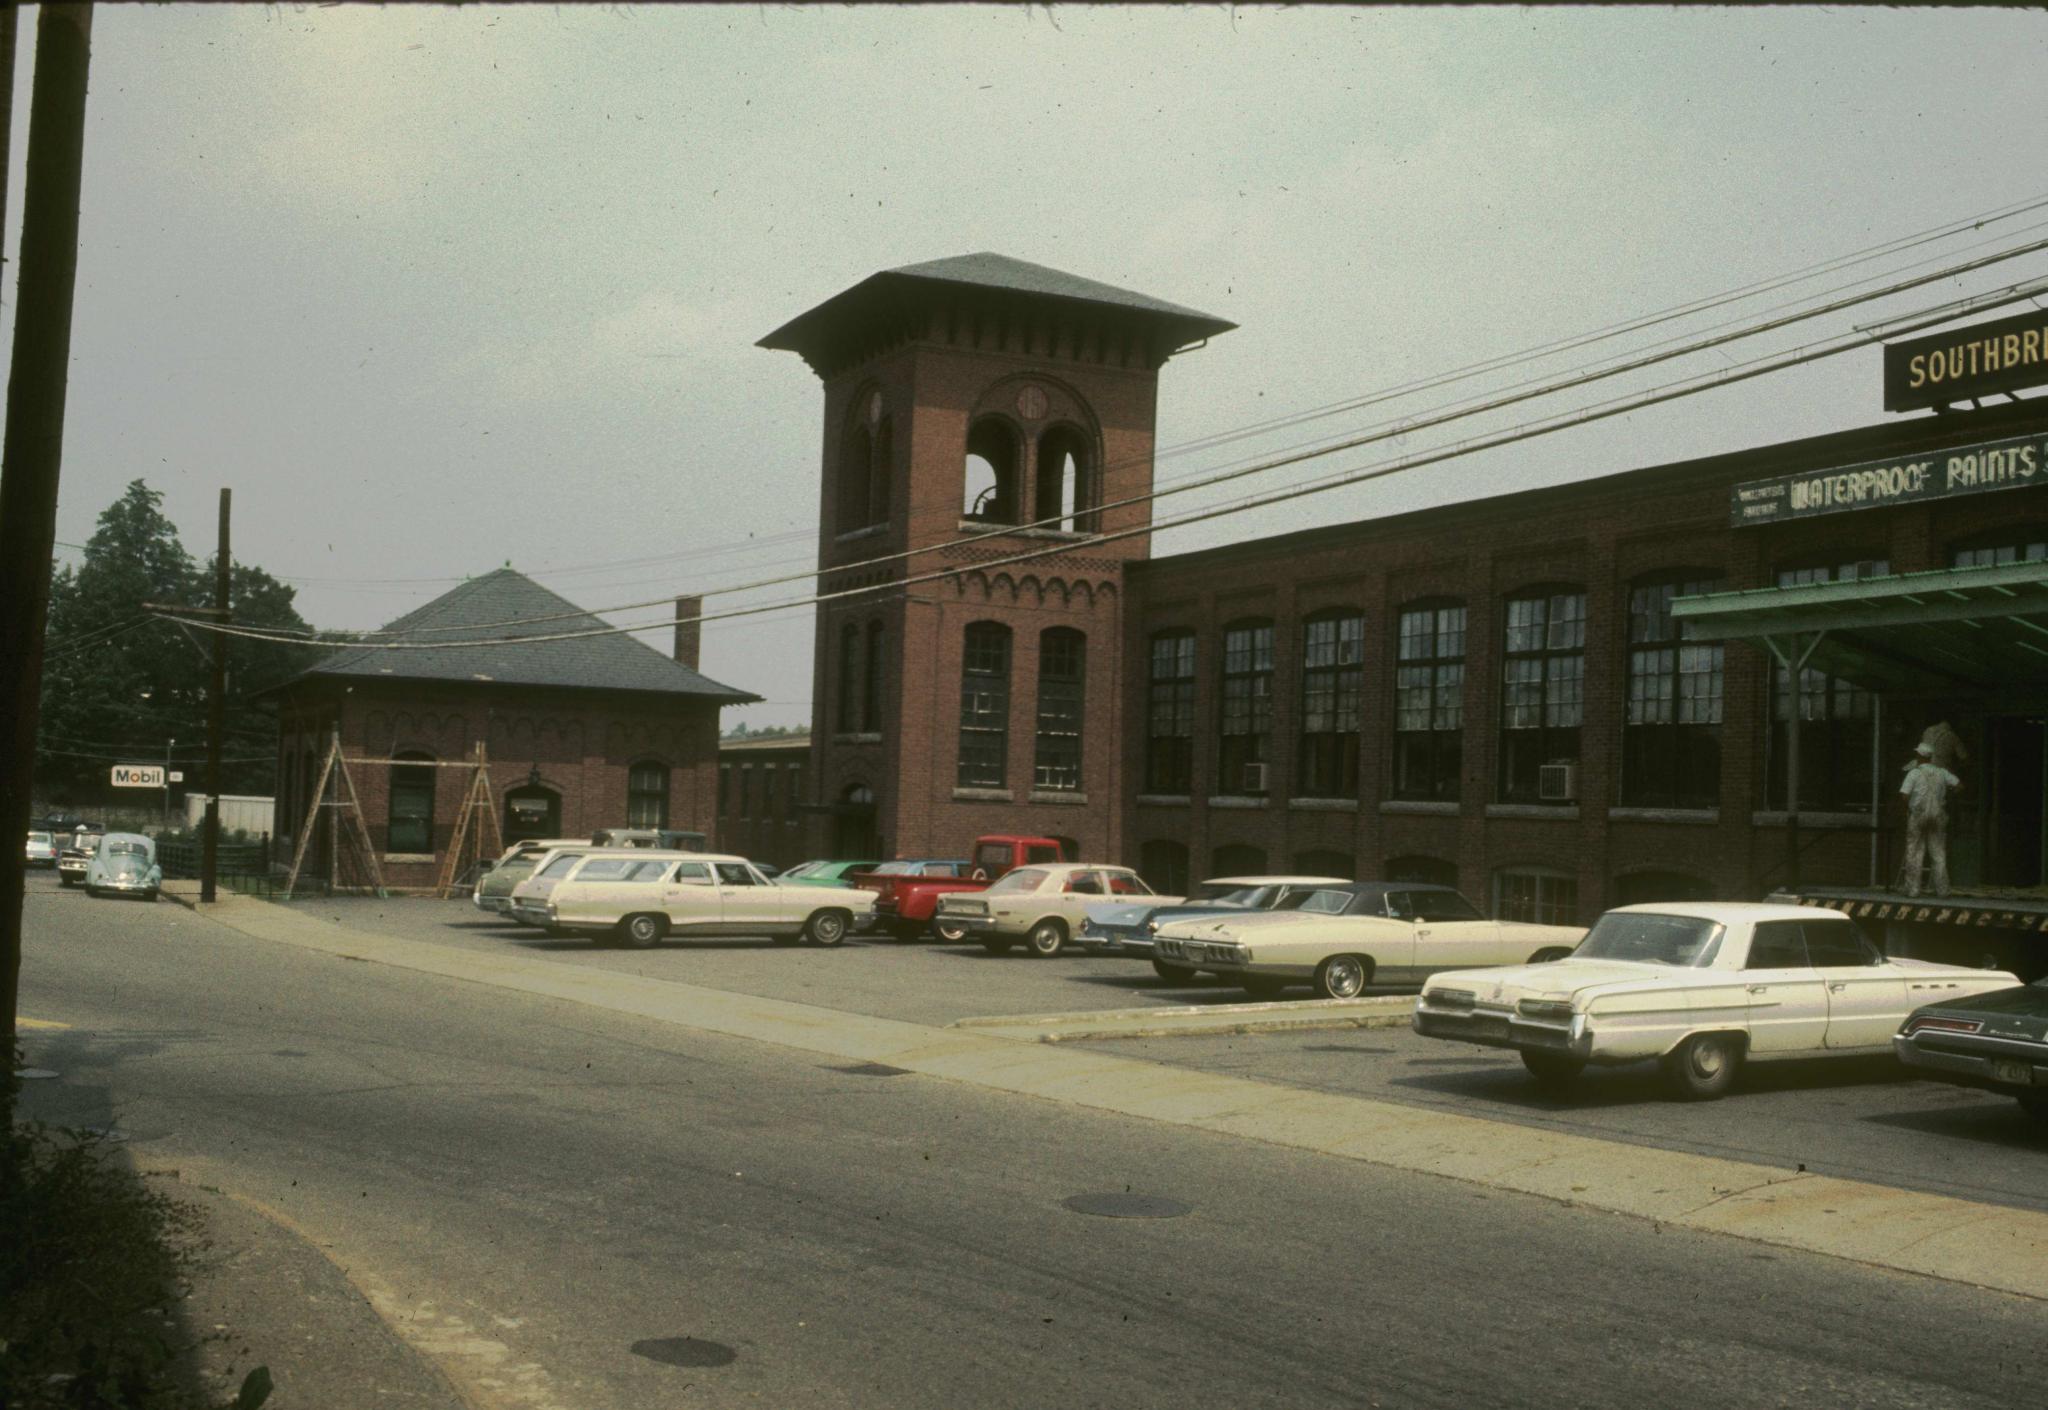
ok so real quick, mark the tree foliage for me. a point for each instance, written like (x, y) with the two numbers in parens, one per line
(119, 685)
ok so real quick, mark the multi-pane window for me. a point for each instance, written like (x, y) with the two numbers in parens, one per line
(1543, 688)
(647, 795)
(849, 667)
(1837, 718)
(1170, 714)
(1332, 687)
(1062, 668)
(2021, 548)
(871, 682)
(1429, 692)
(1246, 717)
(1671, 737)
(1540, 897)
(985, 706)
(410, 826)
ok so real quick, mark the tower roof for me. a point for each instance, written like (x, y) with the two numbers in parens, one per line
(884, 302)
(466, 613)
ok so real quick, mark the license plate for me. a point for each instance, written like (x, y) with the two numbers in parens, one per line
(2018, 1074)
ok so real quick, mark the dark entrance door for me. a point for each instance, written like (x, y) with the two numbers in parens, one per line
(853, 826)
(2014, 787)
(532, 812)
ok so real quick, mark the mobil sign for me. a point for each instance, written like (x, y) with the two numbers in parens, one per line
(138, 775)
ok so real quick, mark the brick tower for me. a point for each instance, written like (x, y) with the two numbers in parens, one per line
(978, 395)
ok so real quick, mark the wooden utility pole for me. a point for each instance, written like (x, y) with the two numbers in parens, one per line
(216, 711)
(32, 450)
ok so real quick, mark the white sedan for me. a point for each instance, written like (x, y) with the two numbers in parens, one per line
(1346, 937)
(1700, 986)
(1040, 907)
(641, 897)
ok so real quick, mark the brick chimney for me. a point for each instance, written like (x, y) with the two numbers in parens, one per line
(689, 631)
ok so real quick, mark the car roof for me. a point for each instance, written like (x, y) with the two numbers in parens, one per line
(1072, 866)
(127, 837)
(1751, 911)
(1277, 881)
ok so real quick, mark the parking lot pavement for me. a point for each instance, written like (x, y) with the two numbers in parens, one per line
(1858, 1117)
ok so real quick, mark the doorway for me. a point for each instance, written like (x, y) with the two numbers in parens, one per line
(532, 811)
(854, 837)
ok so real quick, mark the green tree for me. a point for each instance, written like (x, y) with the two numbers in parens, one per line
(119, 684)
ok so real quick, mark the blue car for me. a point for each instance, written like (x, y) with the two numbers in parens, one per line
(124, 865)
(1127, 927)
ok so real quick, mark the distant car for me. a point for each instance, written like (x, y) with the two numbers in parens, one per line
(42, 850)
(1128, 928)
(76, 855)
(1700, 986)
(493, 891)
(1345, 938)
(1996, 1040)
(825, 873)
(642, 899)
(124, 865)
(667, 839)
(1039, 907)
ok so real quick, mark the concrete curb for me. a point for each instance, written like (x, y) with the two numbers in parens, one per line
(1196, 1021)
(1988, 1246)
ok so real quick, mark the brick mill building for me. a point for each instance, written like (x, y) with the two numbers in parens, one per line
(580, 732)
(1559, 699)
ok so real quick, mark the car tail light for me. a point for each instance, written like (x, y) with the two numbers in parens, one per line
(1946, 1025)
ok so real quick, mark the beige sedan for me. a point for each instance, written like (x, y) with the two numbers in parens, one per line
(1039, 907)
(640, 898)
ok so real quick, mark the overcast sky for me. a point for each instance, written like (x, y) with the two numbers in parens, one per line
(437, 289)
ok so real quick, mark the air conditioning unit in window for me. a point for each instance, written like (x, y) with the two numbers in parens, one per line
(1557, 783)
(1255, 778)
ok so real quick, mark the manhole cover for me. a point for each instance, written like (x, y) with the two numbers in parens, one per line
(685, 1351)
(1128, 1206)
(34, 1074)
(874, 1069)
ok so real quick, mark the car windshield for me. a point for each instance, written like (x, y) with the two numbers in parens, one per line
(897, 869)
(1023, 879)
(1210, 894)
(1687, 942)
(801, 869)
(39, 837)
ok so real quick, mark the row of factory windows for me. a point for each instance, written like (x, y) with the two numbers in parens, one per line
(760, 791)
(1672, 724)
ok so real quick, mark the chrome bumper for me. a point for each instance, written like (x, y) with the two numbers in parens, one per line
(1497, 1028)
(1970, 1058)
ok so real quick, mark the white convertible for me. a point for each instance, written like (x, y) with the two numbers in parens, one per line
(639, 897)
(1347, 937)
(1701, 986)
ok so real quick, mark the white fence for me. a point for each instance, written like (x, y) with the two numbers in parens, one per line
(237, 811)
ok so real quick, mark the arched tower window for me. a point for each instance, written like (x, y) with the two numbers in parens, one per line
(985, 706)
(855, 479)
(992, 465)
(871, 682)
(882, 472)
(1066, 478)
(409, 827)
(849, 678)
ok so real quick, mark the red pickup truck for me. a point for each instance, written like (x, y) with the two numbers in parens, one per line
(904, 905)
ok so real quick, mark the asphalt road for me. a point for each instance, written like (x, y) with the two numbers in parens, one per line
(1860, 1117)
(586, 1209)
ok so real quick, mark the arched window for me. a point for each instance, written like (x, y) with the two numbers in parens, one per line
(1421, 871)
(1245, 716)
(856, 478)
(985, 706)
(1671, 737)
(1332, 693)
(1064, 478)
(1640, 888)
(871, 682)
(1536, 894)
(647, 794)
(849, 678)
(1170, 715)
(1429, 694)
(1164, 865)
(992, 465)
(2007, 546)
(1324, 861)
(882, 473)
(1062, 695)
(1237, 859)
(1543, 688)
(1837, 718)
(410, 824)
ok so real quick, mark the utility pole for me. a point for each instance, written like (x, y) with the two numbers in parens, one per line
(216, 711)
(32, 450)
(169, 745)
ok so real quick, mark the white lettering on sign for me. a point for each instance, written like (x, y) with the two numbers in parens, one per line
(1855, 487)
(1985, 469)
(138, 776)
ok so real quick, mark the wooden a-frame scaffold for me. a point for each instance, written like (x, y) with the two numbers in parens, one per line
(478, 815)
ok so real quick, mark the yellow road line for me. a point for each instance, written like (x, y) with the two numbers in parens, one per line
(39, 1023)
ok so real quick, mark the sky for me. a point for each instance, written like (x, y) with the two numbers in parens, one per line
(437, 289)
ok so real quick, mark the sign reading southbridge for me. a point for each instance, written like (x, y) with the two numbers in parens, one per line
(1965, 363)
(1972, 469)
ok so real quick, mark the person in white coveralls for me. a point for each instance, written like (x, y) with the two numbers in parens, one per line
(1925, 788)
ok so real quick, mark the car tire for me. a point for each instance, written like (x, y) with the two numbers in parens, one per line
(149, 896)
(1343, 977)
(638, 932)
(826, 928)
(1551, 955)
(1261, 986)
(1174, 973)
(951, 934)
(1047, 939)
(93, 891)
(1553, 1072)
(1703, 1067)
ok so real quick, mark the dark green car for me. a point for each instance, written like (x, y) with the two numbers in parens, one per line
(1997, 1041)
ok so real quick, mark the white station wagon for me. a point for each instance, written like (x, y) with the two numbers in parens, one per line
(1700, 986)
(640, 897)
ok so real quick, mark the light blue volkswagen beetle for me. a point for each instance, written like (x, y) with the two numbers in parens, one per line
(125, 865)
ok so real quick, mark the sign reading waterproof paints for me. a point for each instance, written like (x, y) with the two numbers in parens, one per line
(1963, 363)
(138, 775)
(1934, 474)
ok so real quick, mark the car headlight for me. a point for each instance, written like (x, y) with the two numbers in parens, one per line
(1151, 927)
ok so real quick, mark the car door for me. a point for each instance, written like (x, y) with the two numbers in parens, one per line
(1867, 998)
(1081, 888)
(1451, 934)
(690, 896)
(1787, 1002)
(746, 906)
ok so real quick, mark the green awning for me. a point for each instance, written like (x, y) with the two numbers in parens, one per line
(1950, 629)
